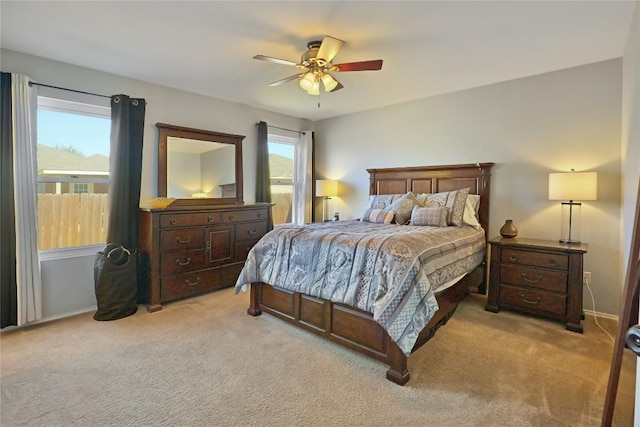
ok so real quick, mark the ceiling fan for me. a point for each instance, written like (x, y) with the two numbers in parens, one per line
(316, 62)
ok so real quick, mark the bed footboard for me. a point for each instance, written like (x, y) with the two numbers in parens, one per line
(351, 327)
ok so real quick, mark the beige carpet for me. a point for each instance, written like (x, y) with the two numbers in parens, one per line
(205, 362)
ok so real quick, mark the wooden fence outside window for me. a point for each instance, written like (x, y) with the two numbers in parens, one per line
(68, 220)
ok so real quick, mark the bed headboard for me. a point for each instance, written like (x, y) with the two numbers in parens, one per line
(436, 179)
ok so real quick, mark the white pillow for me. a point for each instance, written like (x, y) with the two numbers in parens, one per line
(470, 217)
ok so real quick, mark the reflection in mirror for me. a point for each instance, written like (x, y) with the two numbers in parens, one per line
(200, 169)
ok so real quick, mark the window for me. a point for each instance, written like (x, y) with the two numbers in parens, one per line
(282, 169)
(73, 173)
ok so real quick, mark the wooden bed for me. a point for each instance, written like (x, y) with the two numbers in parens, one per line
(356, 329)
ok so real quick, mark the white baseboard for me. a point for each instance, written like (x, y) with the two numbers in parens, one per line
(50, 319)
(601, 315)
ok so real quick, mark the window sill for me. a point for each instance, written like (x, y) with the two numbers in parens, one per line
(74, 252)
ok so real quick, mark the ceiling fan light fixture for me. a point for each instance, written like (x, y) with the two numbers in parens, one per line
(307, 81)
(329, 82)
(315, 88)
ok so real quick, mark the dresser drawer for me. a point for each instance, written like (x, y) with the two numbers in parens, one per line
(189, 219)
(250, 231)
(243, 248)
(245, 215)
(182, 262)
(533, 301)
(186, 285)
(535, 259)
(182, 239)
(550, 280)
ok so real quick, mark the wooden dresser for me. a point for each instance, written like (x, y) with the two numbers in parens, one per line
(187, 251)
(540, 277)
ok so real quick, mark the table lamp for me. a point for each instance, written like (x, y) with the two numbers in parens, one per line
(572, 187)
(326, 188)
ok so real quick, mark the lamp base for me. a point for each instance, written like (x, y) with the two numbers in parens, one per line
(570, 242)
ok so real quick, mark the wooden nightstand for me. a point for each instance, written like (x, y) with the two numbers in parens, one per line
(541, 277)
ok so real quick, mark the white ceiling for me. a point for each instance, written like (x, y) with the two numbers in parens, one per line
(428, 47)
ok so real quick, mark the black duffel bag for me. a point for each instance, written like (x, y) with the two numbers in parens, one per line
(115, 277)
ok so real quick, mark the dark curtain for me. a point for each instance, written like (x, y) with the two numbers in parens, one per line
(8, 284)
(263, 175)
(125, 170)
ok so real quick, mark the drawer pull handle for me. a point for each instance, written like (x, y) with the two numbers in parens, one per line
(183, 263)
(259, 214)
(513, 258)
(534, 280)
(187, 240)
(174, 221)
(190, 283)
(252, 232)
(230, 217)
(528, 301)
(552, 261)
(211, 219)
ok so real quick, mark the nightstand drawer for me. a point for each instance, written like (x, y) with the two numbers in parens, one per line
(535, 259)
(533, 301)
(549, 280)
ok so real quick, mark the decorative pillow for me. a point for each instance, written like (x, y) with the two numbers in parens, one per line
(470, 216)
(379, 216)
(435, 217)
(381, 201)
(403, 207)
(455, 200)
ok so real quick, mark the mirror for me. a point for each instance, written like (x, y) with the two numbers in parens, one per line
(199, 167)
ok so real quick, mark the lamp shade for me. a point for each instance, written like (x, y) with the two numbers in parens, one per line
(573, 186)
(326, 188)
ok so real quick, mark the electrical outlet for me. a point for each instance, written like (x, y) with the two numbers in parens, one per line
(586, 278)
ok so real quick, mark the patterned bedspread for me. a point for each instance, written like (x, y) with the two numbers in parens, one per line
(386, 270)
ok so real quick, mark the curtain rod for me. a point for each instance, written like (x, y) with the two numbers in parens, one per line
(290, 130)
(70, 90)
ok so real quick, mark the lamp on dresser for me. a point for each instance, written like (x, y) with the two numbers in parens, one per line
(326, 188)
(572, 187)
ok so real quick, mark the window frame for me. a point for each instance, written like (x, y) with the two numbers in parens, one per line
(51, 99)
(293, 142)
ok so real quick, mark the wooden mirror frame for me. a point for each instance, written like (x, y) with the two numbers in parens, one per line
(165, 131)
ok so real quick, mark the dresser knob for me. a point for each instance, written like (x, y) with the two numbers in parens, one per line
(173, 221)
(259, 214)
(252, 232)
(512, 258)
(210, 219)
(552, 261)
(230, 217)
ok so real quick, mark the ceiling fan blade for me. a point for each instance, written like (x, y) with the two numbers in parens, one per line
(373, 65)
(275, 60)
(329, 48)
(337, 87)
(286, 80)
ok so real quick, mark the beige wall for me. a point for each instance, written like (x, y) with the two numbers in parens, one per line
(528, 127)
